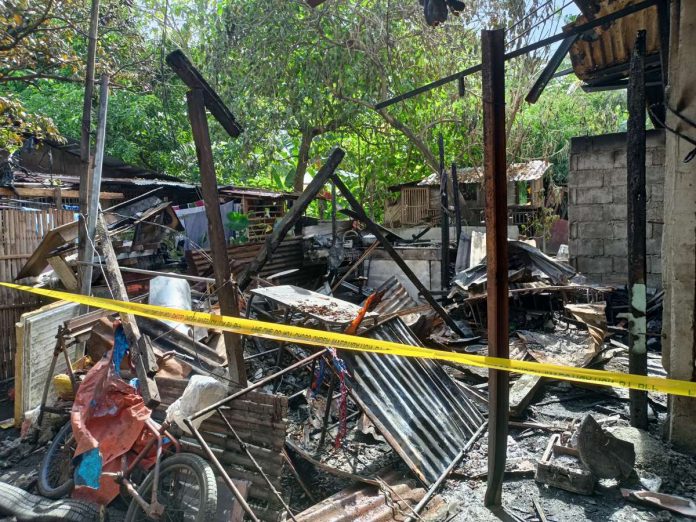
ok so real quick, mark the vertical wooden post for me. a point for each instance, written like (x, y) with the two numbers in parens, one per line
(444, 218)
(635, 166)
(225, 287)
(457, 208)
(92, 206)
(86, 128)
(495, 176)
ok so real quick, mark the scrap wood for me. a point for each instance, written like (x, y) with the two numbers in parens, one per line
(539, 509)
(680, 505)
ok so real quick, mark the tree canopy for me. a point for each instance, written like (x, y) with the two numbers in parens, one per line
(300, 81)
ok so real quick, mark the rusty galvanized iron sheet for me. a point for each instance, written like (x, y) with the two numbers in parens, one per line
(415, 405)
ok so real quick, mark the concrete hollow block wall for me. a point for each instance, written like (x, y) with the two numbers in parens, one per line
(597, 208)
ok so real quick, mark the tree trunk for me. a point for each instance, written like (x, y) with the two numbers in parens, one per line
(303, 159)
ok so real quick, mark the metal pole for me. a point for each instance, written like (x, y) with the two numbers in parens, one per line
(86, 128)
(224, 287)
(444, 218)
(92, 205)
(495, 176)
(433, 489)
(635, 165)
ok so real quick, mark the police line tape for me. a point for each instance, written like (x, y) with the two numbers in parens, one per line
(297, 334)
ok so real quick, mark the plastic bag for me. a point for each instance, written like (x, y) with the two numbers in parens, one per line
(201, 392)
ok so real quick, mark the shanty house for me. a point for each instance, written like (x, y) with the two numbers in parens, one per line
(418, 202)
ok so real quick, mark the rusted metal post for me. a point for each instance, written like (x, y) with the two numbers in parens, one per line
(457, 208)
(444, 218)
(495, 178)
(635, 166)
(224, 286)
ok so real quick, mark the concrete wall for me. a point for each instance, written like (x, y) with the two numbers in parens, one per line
(679, 246)
(597, 185)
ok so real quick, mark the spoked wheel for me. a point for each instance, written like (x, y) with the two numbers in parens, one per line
(56, 473)
(187, 490)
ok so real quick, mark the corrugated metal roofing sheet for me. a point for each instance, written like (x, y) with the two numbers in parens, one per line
(528, 171)
(416, 406)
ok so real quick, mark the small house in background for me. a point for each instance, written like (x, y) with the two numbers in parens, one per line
(418, 202)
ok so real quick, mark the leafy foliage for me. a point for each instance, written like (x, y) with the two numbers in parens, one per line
(300, 80)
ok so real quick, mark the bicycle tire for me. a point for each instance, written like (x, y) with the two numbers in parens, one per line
(207, 489)
(49, 467)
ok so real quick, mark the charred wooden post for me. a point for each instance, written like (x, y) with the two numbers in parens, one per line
(635, 165)
(224, 286)
(375, 230)
(280, 231)
(495, 178)
(444, 218)
(142, 354)
(457, 207)
(185, 70)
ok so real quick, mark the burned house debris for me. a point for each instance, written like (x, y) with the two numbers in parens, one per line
(217, 422)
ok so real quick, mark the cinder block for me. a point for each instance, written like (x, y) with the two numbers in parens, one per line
(615, 178)
(654, 280)
(615, 279)
(619, 159)
(653, 246)
(656, 230)
(589, 247)
(596, 160)
(572, 164)
(594, 265)
(594, 231)
(572, 196)
(616, 212)
(586, 178)
(573, 230)
(655, 264)
(589, 196)
(657, 191)
(655, 175)
(618, 195)
(655, 211)
(619, 230)
(615, 247)
(620, 265)
(586, 213)
(658, 157)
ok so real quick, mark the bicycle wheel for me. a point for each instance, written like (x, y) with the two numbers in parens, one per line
(56, 474)
(187, 490)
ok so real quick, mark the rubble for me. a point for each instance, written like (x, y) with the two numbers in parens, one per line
(604, 454)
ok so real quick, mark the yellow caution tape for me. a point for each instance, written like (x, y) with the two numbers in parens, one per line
(282, 332)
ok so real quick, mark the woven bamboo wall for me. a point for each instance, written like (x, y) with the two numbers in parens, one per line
(21, 232)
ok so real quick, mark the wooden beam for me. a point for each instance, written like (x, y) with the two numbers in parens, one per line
(36, 192)
(141, 350)
(495, 180)
(375, 230)
(224, 287)
(299, 206)
(185, 70)
(64, 273)
(444, 219)
(636, 221)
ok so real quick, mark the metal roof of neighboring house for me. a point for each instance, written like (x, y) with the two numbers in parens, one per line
(528, 171)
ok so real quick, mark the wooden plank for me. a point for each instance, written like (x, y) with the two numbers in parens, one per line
(183, 67)
(64, 273)
(32, 192)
